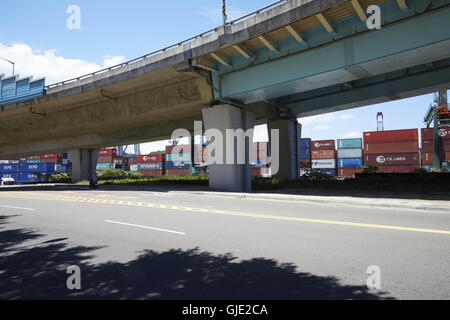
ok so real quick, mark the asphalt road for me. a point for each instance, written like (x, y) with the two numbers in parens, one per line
(145, 244)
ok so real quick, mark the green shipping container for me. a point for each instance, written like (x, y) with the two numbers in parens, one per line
(103, 166)
(349, 143)
(186, 157)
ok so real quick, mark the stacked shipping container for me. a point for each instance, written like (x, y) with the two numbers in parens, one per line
(106, 159)
(259, 159)
(444, 146)
(393, 150)
(305, 155)
(323, 156)
(349, 155)
(427, 143)
(179, 164)
(151, 165)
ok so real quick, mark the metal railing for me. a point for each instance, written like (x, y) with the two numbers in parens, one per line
(123, 64)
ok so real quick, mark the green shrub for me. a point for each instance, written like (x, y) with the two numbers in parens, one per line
(316, 175)
(60, 178)
(371, 169)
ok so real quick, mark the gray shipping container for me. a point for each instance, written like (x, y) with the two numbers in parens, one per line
(323, 163)
(349, 153)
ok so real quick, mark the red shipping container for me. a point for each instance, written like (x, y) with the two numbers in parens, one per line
(427, 133)
(52, 156)
(444, 133)
(447, 156)
(391, 147)
(323, 154)
(348, 173)
(152, 173)
(391, 159)
(55, 161)
(427, 157)
(105, 159)
(391, 135)
(34, 158)
(178, 172)
(107, 152)
(445, 145)
(398, 169)
(152, 158)
(182, 148)
(322, 145)
(427, 145)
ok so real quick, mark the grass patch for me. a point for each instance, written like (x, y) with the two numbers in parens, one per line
(163, 180)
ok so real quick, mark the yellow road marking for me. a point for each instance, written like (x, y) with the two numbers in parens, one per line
(41, 196)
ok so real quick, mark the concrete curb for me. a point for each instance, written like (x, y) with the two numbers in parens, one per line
(419, 205)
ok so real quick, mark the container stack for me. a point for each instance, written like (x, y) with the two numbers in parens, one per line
(179, 164)
(259, 159)
(349, 155)
(151, 165)
(52, 158)
(133, 164)
(28, 171)
(393, 150)
(427, 143)
(323, 156)
(9, 170)
(305, 155)
(34, 159)
(444, 146)
(106, 158)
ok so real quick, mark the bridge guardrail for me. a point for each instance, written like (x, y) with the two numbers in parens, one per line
(123, 64)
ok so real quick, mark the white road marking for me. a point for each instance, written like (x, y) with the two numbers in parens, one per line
(145, 227)
(19, 208)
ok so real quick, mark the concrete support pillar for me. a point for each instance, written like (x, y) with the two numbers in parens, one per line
(84, 163)
(232, 172)
(289, 147)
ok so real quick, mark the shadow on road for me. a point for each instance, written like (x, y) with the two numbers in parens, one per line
(39, 272)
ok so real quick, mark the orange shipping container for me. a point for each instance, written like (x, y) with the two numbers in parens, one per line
(348, 173)
(391, 147)
(323, 154)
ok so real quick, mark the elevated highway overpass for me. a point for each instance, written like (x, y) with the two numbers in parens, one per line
(292, 59)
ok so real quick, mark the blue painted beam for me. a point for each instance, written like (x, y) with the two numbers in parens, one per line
(395, 85)
(374, 52)
(13, 89)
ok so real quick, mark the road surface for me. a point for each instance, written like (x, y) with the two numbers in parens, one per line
(169, 245)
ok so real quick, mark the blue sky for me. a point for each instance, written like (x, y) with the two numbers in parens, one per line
(33, 33)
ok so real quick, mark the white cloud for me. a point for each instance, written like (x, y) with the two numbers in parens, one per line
(353, 134)
(321, 127)
(346, 116)
(319, 119)
(48, 63)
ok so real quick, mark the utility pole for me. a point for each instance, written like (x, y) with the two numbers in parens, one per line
(9, 62)
(224, 12)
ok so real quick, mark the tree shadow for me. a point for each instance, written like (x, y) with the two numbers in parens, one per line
(39, 272)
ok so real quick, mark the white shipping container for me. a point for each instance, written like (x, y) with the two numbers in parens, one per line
(349, 153)
(324, 164)
(133, 167)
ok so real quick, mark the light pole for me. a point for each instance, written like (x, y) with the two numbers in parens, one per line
(9, 62)
(224, 13)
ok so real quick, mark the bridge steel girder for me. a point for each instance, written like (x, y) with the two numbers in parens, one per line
(390, 88)
(404, 44)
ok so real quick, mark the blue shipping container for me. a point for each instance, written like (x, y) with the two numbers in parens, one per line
(305, 154)
(177, 165)
(13, 175)
(42, 167)
(350, 163)
(61, 169)
(9, 167)
(331, 172)
(305, 143)
(28, 177)
(151, 166)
